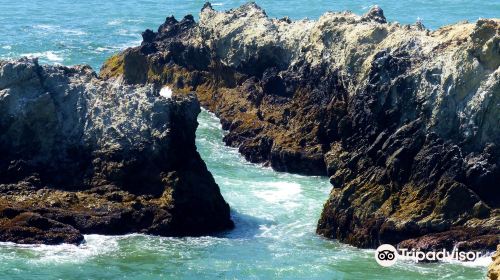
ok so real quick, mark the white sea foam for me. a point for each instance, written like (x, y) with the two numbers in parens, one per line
(115, 22)
(7, 47)
(66, 253)
(277, 192)
(51, 56)
(132, 43)
(58, 29)
(102, 49)
(118, 47)
(73, 32)
(45, 26)
(281, 231)
(127, 32)
(483, 261)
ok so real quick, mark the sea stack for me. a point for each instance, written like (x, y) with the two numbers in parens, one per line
(81, 156)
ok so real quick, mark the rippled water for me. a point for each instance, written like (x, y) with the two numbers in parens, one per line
(275, 213)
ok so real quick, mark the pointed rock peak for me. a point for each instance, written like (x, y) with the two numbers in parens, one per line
(188, 19)
(170, 20)
(286, 19)
(252, 6)
(208, 6)
(375, 14)
(419, 24)
(148, 36)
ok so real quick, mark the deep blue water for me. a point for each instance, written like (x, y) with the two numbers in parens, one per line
(275, 213)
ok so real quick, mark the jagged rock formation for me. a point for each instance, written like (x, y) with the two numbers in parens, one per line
(494, 268)
(404, 120)
(80, 155)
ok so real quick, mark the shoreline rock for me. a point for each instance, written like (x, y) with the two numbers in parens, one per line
(494, 268)
(81, 156)
(402, 119)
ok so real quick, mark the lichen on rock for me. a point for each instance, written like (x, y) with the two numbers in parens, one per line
(81, 155)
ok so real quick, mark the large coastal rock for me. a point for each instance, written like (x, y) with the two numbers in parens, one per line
(81, 155)
(494, 268)
(404, 120)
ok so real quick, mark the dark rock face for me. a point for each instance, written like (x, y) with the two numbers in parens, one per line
(403, 120)
(80, 156)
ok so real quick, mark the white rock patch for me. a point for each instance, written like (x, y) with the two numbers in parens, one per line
(166, 92)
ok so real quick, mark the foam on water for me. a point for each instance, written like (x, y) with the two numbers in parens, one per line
(282, 194)
(65, 253)
(123, 21)
(128, 44)
(115, 22)
(51, 56)
(127, 32)
(483, 261)
(276, 192)
(48, 28)
(45, 27)
(103, 49)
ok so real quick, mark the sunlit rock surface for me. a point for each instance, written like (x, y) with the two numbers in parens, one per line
(81, 155)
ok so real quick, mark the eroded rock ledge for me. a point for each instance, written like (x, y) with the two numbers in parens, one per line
(82, 156)
(403, 120)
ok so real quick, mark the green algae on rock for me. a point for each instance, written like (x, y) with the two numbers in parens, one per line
(81, 156)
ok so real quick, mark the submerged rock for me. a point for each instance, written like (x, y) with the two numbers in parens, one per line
(402, 119)
(81, 155)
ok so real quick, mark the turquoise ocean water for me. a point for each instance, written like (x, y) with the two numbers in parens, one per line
(275, 213)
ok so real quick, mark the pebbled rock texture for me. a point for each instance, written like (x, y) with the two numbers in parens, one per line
(404, 120)
(81, 155)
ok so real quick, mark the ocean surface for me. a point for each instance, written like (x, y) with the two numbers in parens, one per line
(275, 213)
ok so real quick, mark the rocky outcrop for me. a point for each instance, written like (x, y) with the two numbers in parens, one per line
(494, 268)
(402, 119)
(81, 155)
